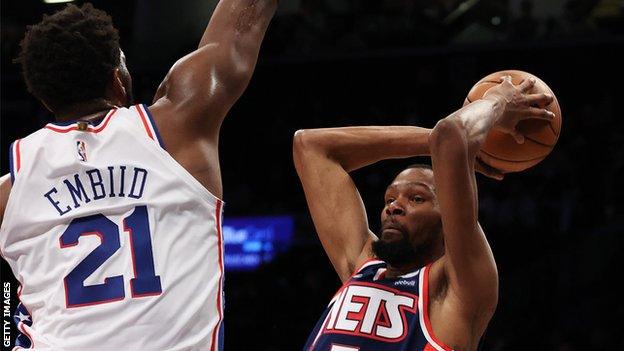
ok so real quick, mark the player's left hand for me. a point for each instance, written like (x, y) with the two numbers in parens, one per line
(519, 105)
(487, 170)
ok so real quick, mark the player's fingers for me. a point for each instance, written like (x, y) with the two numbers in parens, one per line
(539, 113)
(527, 84)
(542, 99)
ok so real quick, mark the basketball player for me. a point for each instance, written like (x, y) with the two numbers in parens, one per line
(111, 217)
(428, 280)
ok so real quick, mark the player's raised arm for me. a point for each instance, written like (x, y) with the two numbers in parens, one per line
(199, 90)
(323, 159)
(201, 87)
(468, 264)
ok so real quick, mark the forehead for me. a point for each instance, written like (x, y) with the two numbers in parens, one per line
(414, 177)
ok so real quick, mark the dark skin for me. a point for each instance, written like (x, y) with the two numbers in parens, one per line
(463, 278)
(197, 93)
(411, 210)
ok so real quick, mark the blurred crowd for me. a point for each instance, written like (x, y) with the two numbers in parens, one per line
(322, 26)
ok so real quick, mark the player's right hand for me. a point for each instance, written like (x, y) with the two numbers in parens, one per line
(519, 105)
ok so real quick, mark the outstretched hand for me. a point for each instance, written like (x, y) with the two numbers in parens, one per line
(519, 105)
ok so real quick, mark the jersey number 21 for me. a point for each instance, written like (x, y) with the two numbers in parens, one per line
(145, 281)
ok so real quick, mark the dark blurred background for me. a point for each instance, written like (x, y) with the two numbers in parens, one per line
(556, 229)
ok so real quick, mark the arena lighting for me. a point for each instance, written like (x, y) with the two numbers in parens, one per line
(460, 10)
(253, 241)
(56, 1)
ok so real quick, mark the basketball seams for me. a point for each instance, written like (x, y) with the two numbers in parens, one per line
(478, 90)
(488, 81)
(513, 161)
(539, 142)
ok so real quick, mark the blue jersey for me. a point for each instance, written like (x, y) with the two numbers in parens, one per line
(373, 313)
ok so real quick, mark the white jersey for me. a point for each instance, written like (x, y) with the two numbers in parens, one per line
(116, 246)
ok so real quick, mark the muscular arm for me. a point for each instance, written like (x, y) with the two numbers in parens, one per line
(201, 87)
(468, 263)
(211, 78)
(323, 159)
(468, 268)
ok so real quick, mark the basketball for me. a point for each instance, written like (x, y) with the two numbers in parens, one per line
(500, 150)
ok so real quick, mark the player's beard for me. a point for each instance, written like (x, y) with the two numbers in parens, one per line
(401, 252)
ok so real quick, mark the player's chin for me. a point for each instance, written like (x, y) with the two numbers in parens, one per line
(392, 234)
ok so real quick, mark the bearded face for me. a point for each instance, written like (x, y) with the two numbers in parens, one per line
(411, 225)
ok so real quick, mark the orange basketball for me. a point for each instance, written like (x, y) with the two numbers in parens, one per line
(500, 150)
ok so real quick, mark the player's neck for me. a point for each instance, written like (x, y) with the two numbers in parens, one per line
(397, 271)
(394, 271)
(88, 110)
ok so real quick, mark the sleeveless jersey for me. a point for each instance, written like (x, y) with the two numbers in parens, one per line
(115, 245)
(373, 313)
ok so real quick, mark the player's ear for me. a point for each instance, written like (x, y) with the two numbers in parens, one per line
(116, 91)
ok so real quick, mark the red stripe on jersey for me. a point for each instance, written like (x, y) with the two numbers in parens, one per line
(428, 347)
(99, 129)
(219, 292)
(89, 129)
(425, 298)
(18, 158)
(145, 123)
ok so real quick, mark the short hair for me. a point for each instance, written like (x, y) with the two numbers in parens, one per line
(68, 57)
(421, 166)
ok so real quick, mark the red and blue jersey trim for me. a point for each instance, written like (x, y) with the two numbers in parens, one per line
(149, 124)
(217, 333)
(65, 127)
(15, 159)
(416, 323)
(423, 308)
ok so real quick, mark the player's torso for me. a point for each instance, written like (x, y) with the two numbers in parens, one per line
(115, 245)
(373, 313)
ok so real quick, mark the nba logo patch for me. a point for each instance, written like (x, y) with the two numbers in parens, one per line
(81, 147)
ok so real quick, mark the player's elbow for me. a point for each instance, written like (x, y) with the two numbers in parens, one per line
(301, 145)
(308, 140)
